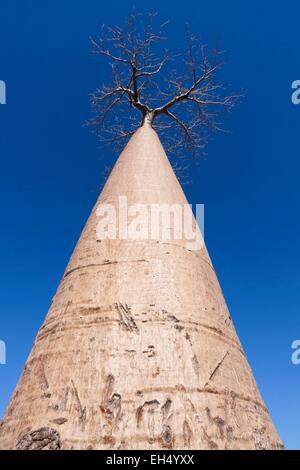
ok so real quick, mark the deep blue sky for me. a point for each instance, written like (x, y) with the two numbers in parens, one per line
(51, 172)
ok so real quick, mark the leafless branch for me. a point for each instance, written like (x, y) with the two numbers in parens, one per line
(182, 105)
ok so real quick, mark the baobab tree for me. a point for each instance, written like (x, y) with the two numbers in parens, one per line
(138, 349)
(179, 94)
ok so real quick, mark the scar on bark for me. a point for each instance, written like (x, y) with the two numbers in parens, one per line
(196, 364)
(59, 421)
(67, 306)
(167, 436)
(150, 351)
(111, 405)
(188, 338)
(42, 375)
(166, 407)
(108, 389)
(41, 439)
(212, 445)
(125, 317)
(150, 406)
(82, 411)
(218, 421)
(187, 434)
(64, 399)
(167, 433)
(213, 373)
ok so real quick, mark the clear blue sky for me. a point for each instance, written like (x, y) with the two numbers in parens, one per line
(51, 172)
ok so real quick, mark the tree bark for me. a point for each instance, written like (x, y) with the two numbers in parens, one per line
(138, 350)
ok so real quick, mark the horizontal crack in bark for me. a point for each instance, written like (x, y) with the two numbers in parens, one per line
(106, 263)
(103, 321)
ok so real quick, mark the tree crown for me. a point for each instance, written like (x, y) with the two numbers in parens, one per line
(178, 94)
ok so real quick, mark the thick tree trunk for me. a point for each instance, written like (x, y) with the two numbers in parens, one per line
(138, 350)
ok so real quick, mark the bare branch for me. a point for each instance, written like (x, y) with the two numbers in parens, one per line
(180, 123)
(185, 95)
(181, 104)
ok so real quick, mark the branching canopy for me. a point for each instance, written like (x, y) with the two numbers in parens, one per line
(178, 94)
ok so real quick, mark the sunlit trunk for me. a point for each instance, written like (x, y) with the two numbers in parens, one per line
(138, 350)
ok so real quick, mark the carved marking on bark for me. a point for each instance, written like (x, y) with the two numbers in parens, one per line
(82, 411)
(179, 327)
(150, 351)
(125, 317)
(187, 434)
(188, 338)
(156, 372)
(196, 365)
(67, 306)
(170, 316)
(42, 375)
(59, 421)
(166, 408)
(167, 436)
(150, 406)
(210, 442)
(216, 369)
(219, 422)
(64, 399)
(111, 407)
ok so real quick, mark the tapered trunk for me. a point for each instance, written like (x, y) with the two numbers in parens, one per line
(148, 118)
(138, 350)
